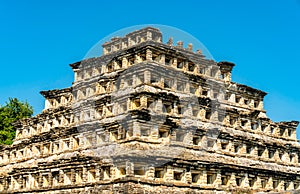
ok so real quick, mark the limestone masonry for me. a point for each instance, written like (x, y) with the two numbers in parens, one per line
(149, 117)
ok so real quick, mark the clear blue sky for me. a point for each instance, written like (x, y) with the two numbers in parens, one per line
(38, 39)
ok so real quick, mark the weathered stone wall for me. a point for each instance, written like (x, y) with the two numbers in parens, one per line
(148, 117)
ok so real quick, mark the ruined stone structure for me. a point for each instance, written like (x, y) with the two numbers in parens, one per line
(149, 117)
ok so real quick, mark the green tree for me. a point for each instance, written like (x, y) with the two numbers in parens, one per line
(12, 111)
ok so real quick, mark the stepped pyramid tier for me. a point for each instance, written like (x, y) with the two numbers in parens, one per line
(150, 117)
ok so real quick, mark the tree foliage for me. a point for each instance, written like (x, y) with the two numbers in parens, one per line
(12, 111)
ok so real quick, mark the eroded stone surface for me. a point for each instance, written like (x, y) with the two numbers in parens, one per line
(149, 117)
